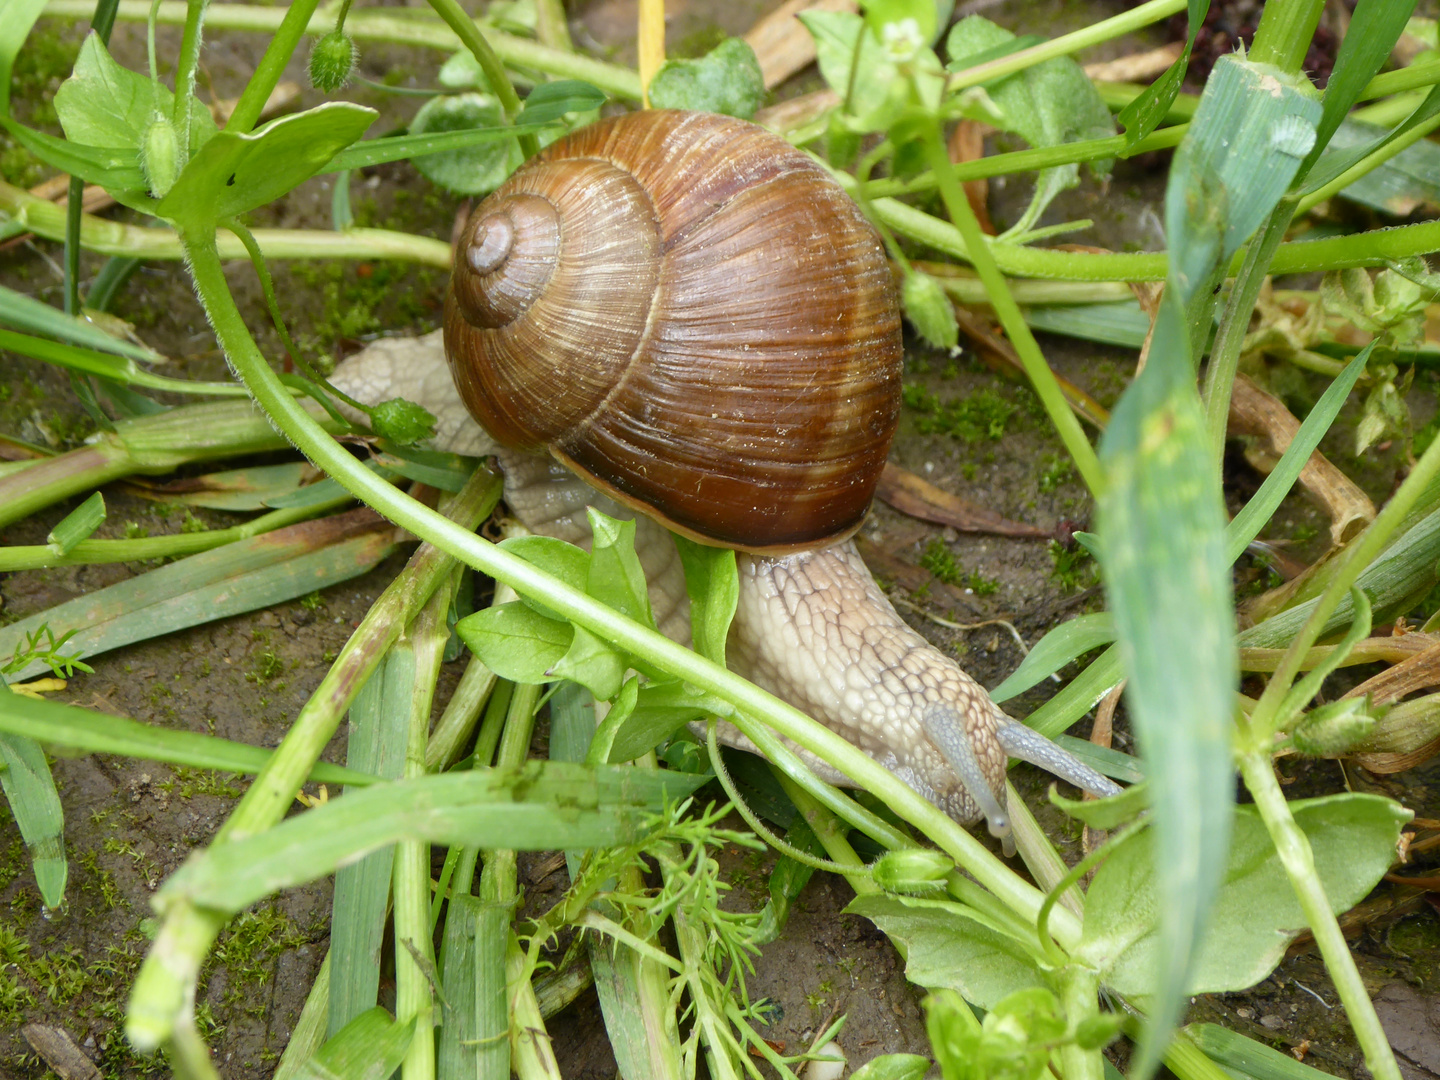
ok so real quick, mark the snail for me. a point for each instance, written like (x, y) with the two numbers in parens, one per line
(692, 317)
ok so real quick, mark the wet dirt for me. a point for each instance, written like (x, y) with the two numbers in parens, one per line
(129, 824)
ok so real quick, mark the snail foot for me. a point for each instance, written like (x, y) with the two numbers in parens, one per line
(1027, 744)
(945, 728)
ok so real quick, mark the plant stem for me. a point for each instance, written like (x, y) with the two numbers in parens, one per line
(1080, 998)
(95, 552)
(1295, 855)
(185, 76)
(272, 66)
(1042, 379)
(1368, 164)
(44, 218)
(599, 619)
(1095, 34)
(470, 35)
(1285, 32)
(651, 40)
(374, 24)
(1235, 324)
(1189, 1062)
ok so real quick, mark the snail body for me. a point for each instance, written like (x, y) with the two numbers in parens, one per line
(696, 320)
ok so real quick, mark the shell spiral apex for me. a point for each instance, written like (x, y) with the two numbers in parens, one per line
(694, 316)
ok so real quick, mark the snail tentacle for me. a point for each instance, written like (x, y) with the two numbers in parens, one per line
(944, 730)
(1027, 744)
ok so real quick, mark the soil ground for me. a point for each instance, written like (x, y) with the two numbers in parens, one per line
(130, 824)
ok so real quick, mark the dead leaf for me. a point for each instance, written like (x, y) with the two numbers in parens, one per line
(921, 499)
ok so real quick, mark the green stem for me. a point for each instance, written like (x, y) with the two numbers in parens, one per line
(1293, 848)
(833, 836)
(272, 65)
(185, 76)
(1358, 557)
(1285, 32)
(1011, 318)
(1189, 1062)
(1080, 996)
(470, 35)
(1235, 324)
(1095, 34)
(94, 552)
(585, 611)
(48, 480)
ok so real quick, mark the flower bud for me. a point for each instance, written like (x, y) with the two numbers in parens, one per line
(912, 870)
(160, 155)
(332, 61)
(928, 309)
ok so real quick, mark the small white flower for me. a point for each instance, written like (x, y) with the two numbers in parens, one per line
(901, 40)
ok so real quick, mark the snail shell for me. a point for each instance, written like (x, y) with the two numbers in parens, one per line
(692, 315)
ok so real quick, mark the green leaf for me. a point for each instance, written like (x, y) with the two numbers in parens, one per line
(402, 421)
(233, 174)
(1048, 104)
(604, 738)
(556, 557)
(475, 169)
(116, 169)
(1144, 114)
(538, 806)
(104, 104)
(552, 101)
(1167, 580)
(713, 585)
(880, 13)
(878, 94)
(725, 80)
(1057, 648)
(77, 525)
(370, 1047)
(404, 147)
(1107, 813)
(30, 789)
(1375, 27)
(27, 313)
(893, 1067)
(448, 472)
(593, 663)
(1238, 1054)
(1255, 915)
(1078, 696)
(661, 709)
(515, 641)
(16, 19)
(616, 576)
(947, 945)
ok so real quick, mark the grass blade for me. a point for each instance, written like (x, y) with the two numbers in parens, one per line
(54, 724)
(370, 1047)
(362, 888)
(1056, 649)
(534, 807)
(475, 1038)
(243, 576)
(36, 805)
(77, 525)
(23, 312)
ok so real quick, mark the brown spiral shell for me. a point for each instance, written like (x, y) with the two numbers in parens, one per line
(690, 313)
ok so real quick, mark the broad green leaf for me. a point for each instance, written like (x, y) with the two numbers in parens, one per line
(369, 1047)
(16, 19)
(104, 104)
(475, 169)
(947, 945)
(556, 557)
(515, 641)
(713, 586)
(538, 806)
(1162, 521)
(661, 710)
(233, 174)
(35, 804)
(552, 101)
(1057, 648)
(1048, 104)
(726, 80)
(616, 577)
(71, 729)
(879, 94)
(593, 663)
(1255, 915)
